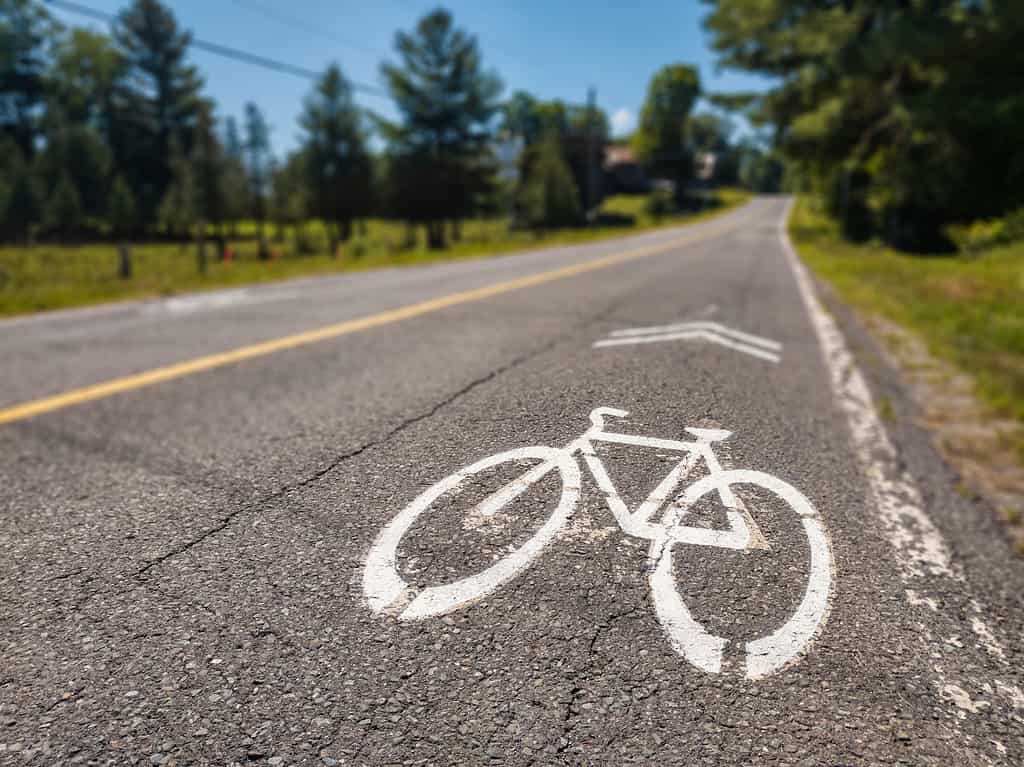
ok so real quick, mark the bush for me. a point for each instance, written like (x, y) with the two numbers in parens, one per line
(549, 197)
(357, 249)
(979, 236)
(1013, 226)
(660, 202)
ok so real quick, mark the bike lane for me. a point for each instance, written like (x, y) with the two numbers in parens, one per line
(258, 641)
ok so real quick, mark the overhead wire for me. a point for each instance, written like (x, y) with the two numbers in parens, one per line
(305, 26)
(224, 51)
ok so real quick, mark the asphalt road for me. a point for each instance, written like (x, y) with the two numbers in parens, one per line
(194, 568)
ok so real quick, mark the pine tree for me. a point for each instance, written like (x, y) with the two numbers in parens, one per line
(581, 129)
(159, 93)
(84, 80)
(64, 209)
(25, 27)
(121, 210)
(177, 212)
(521, 117)
(208, 163)
(446, 101)
(234, 183)
(549, 196)
(291, 193)
(23, 209)
(336, 159)
(257, 162)
(79, 151)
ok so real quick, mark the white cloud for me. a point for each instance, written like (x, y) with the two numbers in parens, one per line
(623, 121)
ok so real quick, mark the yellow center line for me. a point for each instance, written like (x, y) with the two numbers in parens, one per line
(211, 361)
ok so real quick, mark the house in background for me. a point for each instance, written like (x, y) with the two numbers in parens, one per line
(705, 166)
(623, 173)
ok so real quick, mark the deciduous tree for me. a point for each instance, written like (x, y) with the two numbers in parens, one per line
(660, 139)
(907, 114)
(83, 82)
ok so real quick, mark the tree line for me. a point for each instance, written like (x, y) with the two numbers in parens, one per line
(110, 136)
(904, 116)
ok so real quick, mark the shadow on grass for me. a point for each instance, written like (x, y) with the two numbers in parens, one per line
(615, 219)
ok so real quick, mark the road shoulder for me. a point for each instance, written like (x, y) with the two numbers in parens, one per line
(924, 398)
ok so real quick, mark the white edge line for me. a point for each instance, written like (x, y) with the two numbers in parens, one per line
(919, 545)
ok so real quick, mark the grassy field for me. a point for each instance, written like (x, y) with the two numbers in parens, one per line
(968, 309)
(52, 276)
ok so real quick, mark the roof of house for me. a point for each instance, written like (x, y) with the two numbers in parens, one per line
(618, 155)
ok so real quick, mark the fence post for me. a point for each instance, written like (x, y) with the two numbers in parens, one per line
(125, 268)
(201, 245)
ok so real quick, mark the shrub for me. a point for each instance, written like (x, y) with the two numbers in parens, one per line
(660, 202)
(357, 248)
(1013, 226)
(549, 197)
(979, 236)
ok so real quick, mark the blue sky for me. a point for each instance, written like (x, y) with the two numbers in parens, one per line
(549, 48)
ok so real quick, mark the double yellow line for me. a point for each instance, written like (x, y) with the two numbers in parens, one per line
(211, 361)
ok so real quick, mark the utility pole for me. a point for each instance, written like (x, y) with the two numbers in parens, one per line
(844, 215)
(591, 190)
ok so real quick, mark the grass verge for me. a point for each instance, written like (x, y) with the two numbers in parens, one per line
(969, 310)
(44, 277)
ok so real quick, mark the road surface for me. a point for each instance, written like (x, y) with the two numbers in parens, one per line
(225, 542)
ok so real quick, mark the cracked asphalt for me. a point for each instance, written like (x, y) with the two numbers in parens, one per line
(183, 570)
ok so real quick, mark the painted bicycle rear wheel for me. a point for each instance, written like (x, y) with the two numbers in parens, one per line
(770, 653)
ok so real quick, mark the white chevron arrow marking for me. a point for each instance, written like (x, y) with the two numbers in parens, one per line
(712, 332)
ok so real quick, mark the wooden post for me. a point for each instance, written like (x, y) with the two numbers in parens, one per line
(201, 248)
(124, 252)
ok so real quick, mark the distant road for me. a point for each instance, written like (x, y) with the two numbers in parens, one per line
(258, 526)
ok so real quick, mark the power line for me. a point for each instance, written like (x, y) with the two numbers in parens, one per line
(224, 50)
(305, 26)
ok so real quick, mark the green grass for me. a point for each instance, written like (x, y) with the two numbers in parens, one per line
(43, 277)
(969, 310)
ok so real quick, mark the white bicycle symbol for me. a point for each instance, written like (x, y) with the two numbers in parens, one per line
(387, 592)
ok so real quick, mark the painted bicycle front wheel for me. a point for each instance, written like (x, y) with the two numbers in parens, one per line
(387, 592)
